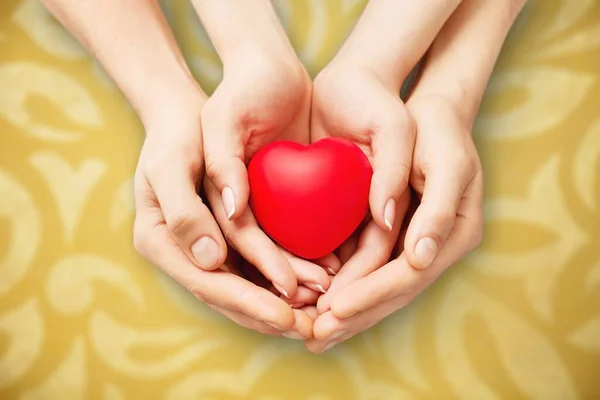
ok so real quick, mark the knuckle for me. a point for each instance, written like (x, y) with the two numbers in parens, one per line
(214, 168)
(231, 235)
(180, 222)
(443, 216)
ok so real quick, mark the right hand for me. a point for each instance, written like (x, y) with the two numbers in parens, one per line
(177, 232)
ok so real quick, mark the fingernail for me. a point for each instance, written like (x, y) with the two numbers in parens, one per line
(389, 212)
(293, 335)
(282, 290)
(297, 305)
(328, 347)
(331, 271)
(316, 287)
(228, 201)
(336, 335)
(425, 251)
(206, 252)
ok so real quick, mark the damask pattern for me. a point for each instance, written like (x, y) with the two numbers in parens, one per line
(83, 317)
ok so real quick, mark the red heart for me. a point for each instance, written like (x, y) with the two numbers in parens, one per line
(310, 199)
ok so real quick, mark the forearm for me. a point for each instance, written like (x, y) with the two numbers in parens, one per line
(243, 27)
(133, 42)
(392, 35)
(462, 58)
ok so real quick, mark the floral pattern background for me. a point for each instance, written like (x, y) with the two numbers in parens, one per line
(83, 317)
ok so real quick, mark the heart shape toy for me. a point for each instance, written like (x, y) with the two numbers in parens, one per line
(310, 199)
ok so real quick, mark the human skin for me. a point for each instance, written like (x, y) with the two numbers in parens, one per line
(464, 39)
(174, 229)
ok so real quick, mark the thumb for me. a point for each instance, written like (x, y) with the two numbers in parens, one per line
(435, 217)
(392, 148)
(225, 167)
(188, 219)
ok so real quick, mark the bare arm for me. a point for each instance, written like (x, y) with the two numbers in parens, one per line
(133, 42)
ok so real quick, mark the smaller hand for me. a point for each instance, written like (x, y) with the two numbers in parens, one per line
(447, 207)
(263, 98)
(352, 103)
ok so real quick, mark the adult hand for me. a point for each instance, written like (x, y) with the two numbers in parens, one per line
(171, 219)
(446, 175)
(265, 96)
(358, 97)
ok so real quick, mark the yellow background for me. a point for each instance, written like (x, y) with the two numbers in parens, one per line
(83, 317)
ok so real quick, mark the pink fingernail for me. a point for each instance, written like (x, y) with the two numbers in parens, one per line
(389, 212)
(282, 290)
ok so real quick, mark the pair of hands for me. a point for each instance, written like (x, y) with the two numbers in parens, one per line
(266, 100)
(426, 192)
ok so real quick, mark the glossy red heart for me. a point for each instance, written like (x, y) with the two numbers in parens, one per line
(310, 199)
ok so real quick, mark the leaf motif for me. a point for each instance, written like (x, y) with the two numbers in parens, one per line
(23, 330)
(25, 220)
(544, 207)
(399, 340)
(71, 188)
(22, 80)
(113, 392)
(116, 343)
(588, 336)
(586, 165)
(262, 361)
(582, 40)
(544, 106)
(67, 381)
(70, 284)
(513, 236)
(567, 14)
(45, 31)
(527, 355)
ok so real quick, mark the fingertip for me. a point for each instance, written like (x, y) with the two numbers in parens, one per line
(323, 304)
(304, 324)
(208, 254)
(282, 317)
(340, 309)
(235, 202)
(324, 326)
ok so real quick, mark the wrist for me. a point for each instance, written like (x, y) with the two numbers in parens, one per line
(173, 103)
(237, 28)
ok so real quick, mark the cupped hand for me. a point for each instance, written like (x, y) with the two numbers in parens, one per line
(262, 98)
(444, 221)
(177, 232)
(353, 103)
(445, 210)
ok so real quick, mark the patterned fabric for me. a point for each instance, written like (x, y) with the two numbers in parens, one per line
(83, 317)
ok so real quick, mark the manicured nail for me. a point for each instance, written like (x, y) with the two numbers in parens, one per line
(316, 287)
(328, 347)
(330, 270)
(228, 201)
(293, 335)
(389, 212)
(206, 252)
(425, 251)
(282, 290)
